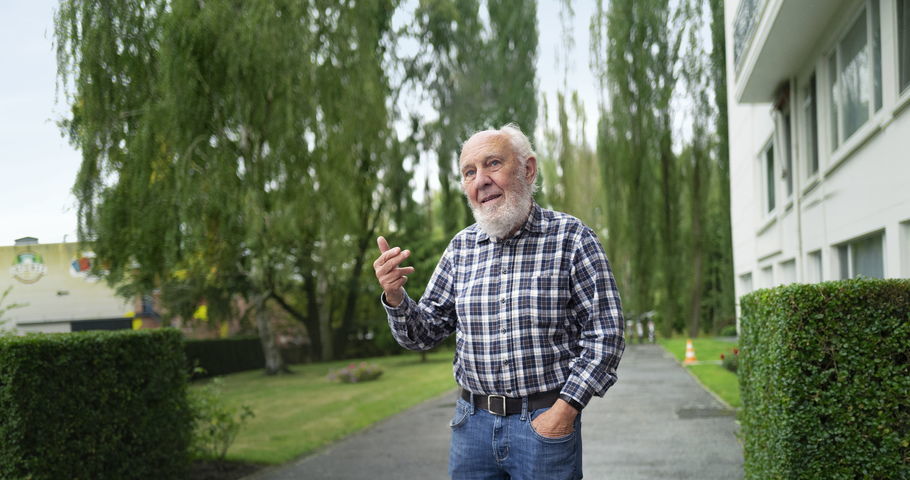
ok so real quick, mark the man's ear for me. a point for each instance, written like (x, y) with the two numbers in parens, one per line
(531, 170)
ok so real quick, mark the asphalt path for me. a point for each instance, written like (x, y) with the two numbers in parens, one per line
(657, 422)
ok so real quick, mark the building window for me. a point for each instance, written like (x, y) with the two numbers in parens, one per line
(769, 178)
(785, 154)
(767, 277)
(783, 142)
(788, 272)
(810, 114)
(832, 100)
(814, 266)
(905, 248)
(855, 75)
(862, 257)
(876, 28)
(745, 283)
(903, 48)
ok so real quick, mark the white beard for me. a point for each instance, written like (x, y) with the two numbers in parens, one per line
(502, 220)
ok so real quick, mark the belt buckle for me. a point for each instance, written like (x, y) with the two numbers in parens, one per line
(490, 404)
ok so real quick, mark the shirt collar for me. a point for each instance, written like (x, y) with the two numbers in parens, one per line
(537, 223)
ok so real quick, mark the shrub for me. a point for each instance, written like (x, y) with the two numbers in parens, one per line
(209, 358)
(94, 405)
(728, 331)
(215, 424)
(355, 373)
(824, 379)
(730, 360)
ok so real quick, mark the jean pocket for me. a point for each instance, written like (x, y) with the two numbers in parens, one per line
(460, 416)
(563, 439)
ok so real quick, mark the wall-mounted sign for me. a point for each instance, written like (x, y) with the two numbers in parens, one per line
(81, 267)
(28, 267)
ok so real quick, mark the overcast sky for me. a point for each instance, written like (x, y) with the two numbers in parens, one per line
(38, 166)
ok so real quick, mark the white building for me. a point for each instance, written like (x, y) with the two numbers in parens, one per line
(55, 291)
(819, 123)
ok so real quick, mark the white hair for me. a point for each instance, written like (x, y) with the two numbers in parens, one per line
(521, 146)
(519, 141)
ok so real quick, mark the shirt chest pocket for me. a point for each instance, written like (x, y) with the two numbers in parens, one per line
(545, 302)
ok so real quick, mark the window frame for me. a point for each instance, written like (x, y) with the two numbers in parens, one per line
(786, 154)
(902, 63)
(809, 111)
(767, 275)
(783, 268)
(834, 86)
(815, 261)
(844, 254)
(904, 247)
(769, 202)
(746, 282)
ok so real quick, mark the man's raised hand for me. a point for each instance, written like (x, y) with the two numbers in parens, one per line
(391, 277)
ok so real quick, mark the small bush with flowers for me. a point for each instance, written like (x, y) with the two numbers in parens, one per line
(730, 361)
(355, 373)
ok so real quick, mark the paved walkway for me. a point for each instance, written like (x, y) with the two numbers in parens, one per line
(655, 423)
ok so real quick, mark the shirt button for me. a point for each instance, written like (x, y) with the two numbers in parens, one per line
(505, 362)
(502, 330)
(505, 269)
(502, 300)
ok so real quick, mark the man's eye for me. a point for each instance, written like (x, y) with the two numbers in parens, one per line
(468, 173)
(495, 163)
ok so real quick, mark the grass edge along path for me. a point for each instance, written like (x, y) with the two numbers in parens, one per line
(300, 413)
(721, 382)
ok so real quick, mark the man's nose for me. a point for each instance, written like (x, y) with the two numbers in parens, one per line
(482, 179)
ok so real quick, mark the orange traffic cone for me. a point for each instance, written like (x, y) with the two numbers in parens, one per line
(690, 352)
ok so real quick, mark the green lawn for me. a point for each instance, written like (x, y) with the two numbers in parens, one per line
(715, 377)
(295, 414)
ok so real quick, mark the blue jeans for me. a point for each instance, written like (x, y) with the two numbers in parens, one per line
(487, 447)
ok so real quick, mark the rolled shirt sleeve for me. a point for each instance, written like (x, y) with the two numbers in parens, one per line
(597, 306)
(425, 324)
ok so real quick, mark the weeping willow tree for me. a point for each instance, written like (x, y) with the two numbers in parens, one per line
(477, 73)
(237, 142)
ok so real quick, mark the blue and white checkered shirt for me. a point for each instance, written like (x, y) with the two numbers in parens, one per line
(536, 312)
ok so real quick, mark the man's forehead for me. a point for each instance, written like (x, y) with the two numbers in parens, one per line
(485, 144)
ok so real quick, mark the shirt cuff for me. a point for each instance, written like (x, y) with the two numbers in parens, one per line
(576, 394)
(572, 401)
(398, 311)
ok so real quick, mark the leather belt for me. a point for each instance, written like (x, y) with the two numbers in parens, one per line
(502, 405)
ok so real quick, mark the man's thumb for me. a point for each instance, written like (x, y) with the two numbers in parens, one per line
(383, 244)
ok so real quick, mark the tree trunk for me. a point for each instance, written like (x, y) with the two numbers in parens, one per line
(325, 318)
(353, 294)
(312, 318)
(274, 364)
(698, 246)
(309, 322)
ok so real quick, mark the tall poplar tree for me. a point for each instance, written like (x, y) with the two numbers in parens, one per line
(721, 294)
(628, 148)
(662, 209)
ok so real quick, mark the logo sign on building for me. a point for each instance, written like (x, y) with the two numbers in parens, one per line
(28, 267)
(81, 266)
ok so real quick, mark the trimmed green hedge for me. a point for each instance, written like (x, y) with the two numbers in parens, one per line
(222, 356)
(825, 380)
(94, 405)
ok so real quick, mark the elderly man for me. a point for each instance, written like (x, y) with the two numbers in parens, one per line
(537, 317)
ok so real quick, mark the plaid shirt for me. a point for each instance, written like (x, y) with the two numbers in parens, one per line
(536, 312)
